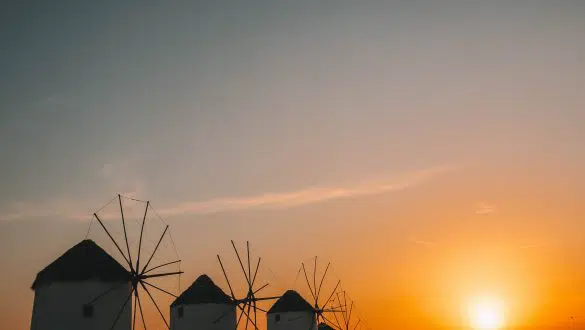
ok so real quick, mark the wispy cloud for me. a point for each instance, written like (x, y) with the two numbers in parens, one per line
(62, 208)
(117, 176)
(70, 208)
(484, 208)
(301, 197)
(121, 178)
(421, 242)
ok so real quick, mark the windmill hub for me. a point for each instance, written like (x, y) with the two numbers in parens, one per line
(135, 278)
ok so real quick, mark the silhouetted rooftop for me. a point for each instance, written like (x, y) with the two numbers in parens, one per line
(291, 301)
(84, 261)
(202, 291)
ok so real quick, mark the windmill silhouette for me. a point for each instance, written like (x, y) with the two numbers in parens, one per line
(345, 321)
(321, 307)
(247, 304)
(140, 272)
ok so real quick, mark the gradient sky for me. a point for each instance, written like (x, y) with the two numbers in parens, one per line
(432, 150)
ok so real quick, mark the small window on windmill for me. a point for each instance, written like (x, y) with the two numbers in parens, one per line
(87, 311)
(180, 312)
(277, 317)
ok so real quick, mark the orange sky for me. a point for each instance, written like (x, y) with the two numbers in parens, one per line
(411, 259)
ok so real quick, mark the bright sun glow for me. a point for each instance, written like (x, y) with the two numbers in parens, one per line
(486, 313)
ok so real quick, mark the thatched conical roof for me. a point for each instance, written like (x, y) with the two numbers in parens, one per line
(202, 291)
(82, 262)
(291, 301)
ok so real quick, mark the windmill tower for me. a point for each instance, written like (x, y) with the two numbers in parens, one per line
(87, 288)
(322, 308)
(247, 304)
(201, 305)
(294, 312)
(64, 288)
(291, 312)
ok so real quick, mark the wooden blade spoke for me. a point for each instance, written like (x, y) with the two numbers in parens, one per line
(155, 305)
(262, 287)
(224, 314)
(260, 309)
(350, 310)
(241, 264)
(249, 270)
(226, 278)
(239, 318)
(159, 266)
(332, 293)
(243, 309)
(141, 231)
(122, 309)
(256, 272)
(337, 320)
(108, 291)
(140, 307)
(113, 240)
(315, 282)
(255, 322)
(333, 310)
(248, 315)
(322, 279)
(155, 249)
(135, 309)
(328, 321)
(307, 279)
(125, 235)
(266, 298)
(344, 313)
(162, 290)
(345, 302)
(161, 275)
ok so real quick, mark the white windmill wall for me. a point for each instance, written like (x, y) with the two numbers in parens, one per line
(291, 321)
(202, 317)
(60, 306)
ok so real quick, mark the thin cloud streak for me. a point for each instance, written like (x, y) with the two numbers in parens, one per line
(70, 209)
(485, 209)
(301, 197)
(421, 242)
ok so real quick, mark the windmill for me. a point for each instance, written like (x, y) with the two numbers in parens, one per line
(247, 304)
(143, 267)
(345, 321)
(321, 307)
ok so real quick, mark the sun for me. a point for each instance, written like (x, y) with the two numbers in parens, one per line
(486, 313)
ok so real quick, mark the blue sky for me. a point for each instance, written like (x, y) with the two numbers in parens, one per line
(234, 98)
